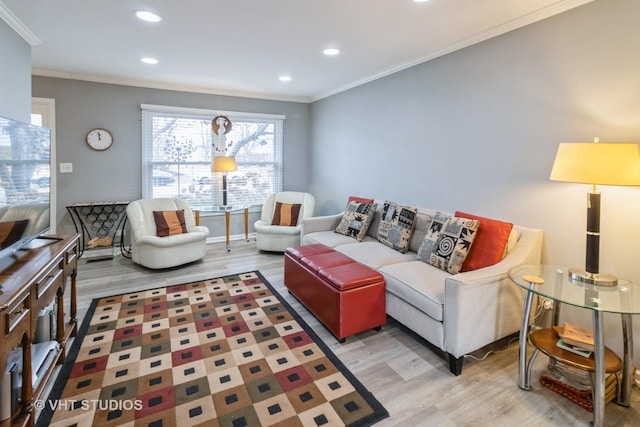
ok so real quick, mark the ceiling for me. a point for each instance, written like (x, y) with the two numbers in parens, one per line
(241, 47)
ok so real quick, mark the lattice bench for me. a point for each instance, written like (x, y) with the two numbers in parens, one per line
(346, 296)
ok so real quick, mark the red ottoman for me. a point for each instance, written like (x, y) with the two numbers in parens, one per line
(346, 296)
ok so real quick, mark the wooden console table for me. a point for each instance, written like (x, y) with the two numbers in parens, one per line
(30, 284)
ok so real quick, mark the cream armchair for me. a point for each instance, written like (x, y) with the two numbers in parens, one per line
(151, 251)
(277, 238)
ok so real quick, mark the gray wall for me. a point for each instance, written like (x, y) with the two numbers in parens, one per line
(15, 75)
(115, 174)
(477, 130)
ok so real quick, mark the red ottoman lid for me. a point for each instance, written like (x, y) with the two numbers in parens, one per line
(319, 262)
(298, 252)
(350, 276)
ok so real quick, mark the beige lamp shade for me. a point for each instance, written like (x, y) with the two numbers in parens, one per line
(224, 164)
(602, 163)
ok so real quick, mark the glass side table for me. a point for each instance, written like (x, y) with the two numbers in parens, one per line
(227, 217)
(553, 282)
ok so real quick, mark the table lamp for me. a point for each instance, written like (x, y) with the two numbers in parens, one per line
(224, 164)
(596, 163)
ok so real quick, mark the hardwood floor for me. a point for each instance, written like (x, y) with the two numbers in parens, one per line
(411, 381)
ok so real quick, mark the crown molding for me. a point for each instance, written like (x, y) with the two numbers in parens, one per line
(530, 18)
(12, 20)
(166, 86)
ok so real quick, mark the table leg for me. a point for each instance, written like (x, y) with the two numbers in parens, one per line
(227, 219)
(246, 224)
(598, 382)
(624, 391)
(524, 374)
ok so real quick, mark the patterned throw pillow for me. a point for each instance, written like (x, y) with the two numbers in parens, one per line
(448, 242)
(286, 214)
(11, 232)
(356, 220)
(169, 223)
(396, 226)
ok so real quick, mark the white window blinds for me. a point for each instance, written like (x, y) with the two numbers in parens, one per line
(178, 145)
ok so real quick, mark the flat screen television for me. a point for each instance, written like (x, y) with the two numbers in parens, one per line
(25, 153)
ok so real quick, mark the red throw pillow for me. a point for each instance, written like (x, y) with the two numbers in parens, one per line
(11, 232)
(359, 200)
(489, 244)
(286, 214)
(169, 223)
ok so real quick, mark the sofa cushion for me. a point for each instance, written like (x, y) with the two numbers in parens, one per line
(286, 214)
(396, 226)
(11, 232)
(169, 223)
(448, 242)
(418, 284)
(356, 220)
(490, 243)
(373, 254)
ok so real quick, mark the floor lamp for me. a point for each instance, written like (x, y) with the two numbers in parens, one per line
(596, 163)
(224, 164)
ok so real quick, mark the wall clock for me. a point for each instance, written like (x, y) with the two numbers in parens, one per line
(99, 139)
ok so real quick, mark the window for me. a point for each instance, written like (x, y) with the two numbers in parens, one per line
(177, 149)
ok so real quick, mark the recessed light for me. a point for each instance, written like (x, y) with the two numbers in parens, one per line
(332, 51)
(145, 15)
(284, 78)
(420, 1)
(148, 60)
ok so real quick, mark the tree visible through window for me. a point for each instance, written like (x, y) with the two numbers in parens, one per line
(177, 149)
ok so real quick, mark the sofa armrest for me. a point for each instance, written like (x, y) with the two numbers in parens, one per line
(483, 305)
(320, 223)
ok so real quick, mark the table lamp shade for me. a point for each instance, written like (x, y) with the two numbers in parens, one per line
(224, 164)
(597, 163)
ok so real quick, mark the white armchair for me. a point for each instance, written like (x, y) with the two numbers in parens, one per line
(151, 251)
(277, 238)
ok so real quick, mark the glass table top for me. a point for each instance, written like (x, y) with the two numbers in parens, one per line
(214, 209)
(556, 284)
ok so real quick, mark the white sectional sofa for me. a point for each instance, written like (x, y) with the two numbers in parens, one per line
(458, 313)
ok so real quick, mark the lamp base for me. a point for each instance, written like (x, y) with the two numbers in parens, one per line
(592, 278)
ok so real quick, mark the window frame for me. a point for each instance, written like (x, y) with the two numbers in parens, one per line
(148, 111)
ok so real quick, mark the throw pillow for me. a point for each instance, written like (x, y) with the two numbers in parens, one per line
(448, 242)
(359, 200)
(169, 223)
(490, 243)
(396, 226)
(286, 214)
(11, 232)
(356, 220)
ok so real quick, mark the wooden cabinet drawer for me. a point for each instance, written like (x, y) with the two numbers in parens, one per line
(17, 317)
(47, 284)
(71, 259)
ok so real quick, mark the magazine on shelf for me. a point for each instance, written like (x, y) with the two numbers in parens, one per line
(576, 335)
(572, 348)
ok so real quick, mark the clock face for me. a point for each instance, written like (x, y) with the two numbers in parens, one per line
(99, 139)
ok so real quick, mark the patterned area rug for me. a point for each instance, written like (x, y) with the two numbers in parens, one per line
(226, 351)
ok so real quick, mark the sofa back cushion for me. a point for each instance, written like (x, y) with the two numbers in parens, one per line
(490, 245)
